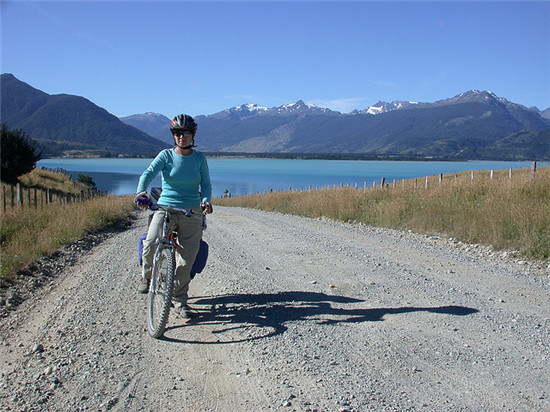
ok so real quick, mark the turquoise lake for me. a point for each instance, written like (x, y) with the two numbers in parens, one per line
(249, 175)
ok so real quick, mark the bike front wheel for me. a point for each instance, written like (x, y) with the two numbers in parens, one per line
(159, 299)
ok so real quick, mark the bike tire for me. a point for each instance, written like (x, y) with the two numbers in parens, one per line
(159, 299)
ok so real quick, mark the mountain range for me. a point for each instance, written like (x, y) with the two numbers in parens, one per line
(472, 125)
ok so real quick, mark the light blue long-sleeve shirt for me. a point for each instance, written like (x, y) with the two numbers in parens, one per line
(185, 179)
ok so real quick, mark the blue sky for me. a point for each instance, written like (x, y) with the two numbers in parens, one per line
(175, 57)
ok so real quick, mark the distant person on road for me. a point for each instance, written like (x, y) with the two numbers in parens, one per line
(185, 184)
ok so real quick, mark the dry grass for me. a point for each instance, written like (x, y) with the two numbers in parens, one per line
(502, 212)
(27, 234)
(45, 179)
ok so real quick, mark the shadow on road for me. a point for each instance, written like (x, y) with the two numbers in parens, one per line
(247, 317)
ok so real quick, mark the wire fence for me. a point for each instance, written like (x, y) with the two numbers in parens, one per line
(425, 182)
(18, 196)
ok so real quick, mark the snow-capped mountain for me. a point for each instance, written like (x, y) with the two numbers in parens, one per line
(239, 112)
(248, 109)
(476, 96)
(384, 107)
(471, 96)
(300, 107)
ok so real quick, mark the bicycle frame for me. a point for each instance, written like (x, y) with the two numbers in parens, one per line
(166, 238)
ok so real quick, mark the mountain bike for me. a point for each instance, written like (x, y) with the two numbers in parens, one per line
(159, 299)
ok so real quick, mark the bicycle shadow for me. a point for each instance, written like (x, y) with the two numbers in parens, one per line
(259, 316)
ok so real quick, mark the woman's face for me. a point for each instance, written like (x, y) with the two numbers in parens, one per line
(184, 138)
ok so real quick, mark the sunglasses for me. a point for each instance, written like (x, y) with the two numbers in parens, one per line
(184, 133)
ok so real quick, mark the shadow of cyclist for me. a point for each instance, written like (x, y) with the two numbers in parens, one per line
(266, 314)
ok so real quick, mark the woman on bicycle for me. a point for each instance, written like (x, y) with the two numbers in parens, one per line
(185, 184)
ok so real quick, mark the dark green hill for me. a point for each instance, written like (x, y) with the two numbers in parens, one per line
(70, 125)
(525, 145)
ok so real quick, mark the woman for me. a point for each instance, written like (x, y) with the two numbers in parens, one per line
(185, 184)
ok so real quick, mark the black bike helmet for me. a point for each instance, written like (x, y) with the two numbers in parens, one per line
(183, 122)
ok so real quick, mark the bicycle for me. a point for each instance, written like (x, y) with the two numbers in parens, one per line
(159, 298)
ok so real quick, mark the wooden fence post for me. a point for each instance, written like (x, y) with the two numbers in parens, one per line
(533, 170)
(426, 185)
(19, 195)
(440, 179)
(382, 182)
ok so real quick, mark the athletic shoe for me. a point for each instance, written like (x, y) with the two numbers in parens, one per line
(143, 285)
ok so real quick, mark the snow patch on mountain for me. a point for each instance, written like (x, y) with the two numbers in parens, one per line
(384, 107)
(248, 108)
(299, 106)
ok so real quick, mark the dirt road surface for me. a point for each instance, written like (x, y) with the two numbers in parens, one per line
(291, 314)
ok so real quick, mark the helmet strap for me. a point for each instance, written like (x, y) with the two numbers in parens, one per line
(187, 147)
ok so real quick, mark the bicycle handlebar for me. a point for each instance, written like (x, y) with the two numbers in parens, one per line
(172, 209)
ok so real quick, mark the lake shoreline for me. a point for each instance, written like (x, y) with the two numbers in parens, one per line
(296, 156)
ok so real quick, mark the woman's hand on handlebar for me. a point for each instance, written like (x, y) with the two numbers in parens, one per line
(142, 201)
(207, 207)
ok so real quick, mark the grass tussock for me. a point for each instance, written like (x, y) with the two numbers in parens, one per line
(27, 234)
(507, 213)
(45, 179)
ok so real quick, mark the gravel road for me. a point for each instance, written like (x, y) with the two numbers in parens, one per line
(291, 314)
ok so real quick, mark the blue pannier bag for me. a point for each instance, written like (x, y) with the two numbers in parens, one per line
(200, 260)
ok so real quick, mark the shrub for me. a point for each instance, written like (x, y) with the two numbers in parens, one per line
(18, 156)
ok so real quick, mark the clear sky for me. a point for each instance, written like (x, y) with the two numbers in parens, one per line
(174, 57)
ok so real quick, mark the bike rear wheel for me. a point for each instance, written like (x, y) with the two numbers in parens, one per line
(159, 299)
